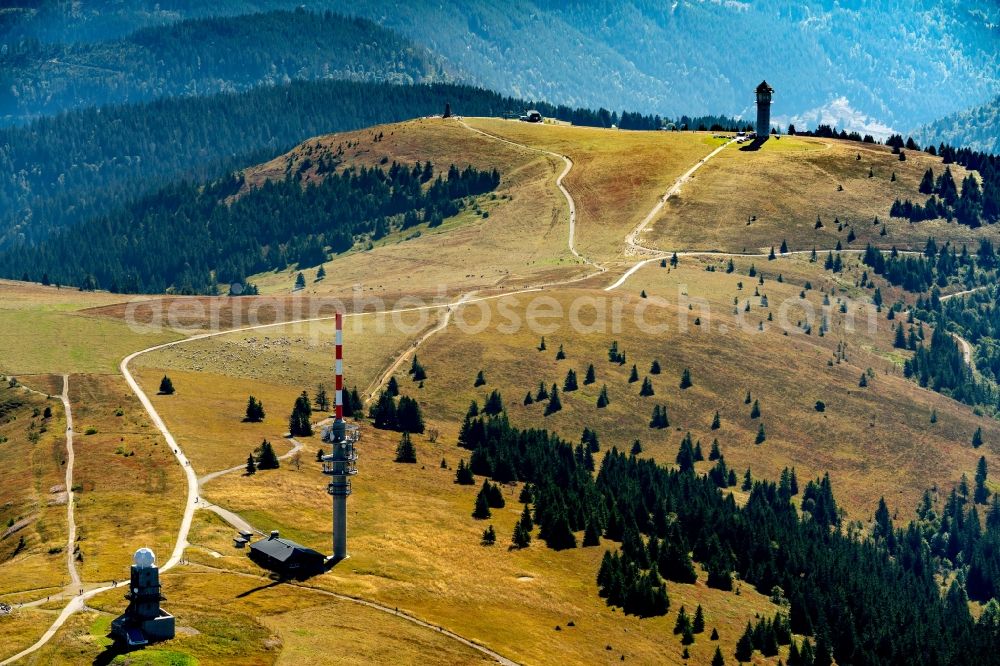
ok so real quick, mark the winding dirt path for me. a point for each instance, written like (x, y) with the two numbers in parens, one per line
(966, 346)
(570, 202)
(383, 378)
(74, 575)
(78, 602)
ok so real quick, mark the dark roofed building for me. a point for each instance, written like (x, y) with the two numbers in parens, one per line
(286, 557)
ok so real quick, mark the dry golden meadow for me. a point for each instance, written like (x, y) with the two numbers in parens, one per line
(413, 542)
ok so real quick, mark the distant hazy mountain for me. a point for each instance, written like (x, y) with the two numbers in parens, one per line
(866, 63)
(205, 56)
(977, 128)
(95, 20)
(869, 65)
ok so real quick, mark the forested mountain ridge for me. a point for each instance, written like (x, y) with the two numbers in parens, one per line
(206, 56)
(187, 238)
(80, 165)
(826, 59)
(977, 128)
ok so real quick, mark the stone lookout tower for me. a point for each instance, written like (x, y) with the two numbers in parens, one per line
(143, 621)
(764, 92)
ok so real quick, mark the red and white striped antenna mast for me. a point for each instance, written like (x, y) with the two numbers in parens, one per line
(341, 463)
(339, 367)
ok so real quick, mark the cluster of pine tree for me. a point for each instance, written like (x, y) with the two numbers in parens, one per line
(255, 411)
(976, 319)
(212, 239)
(402, 416)
(917, 273)
(945, 201)
(621, 582)
(840, 587)
(490, 497)
(942, 368)
(984, 206)
(766, 636)
(829, 132)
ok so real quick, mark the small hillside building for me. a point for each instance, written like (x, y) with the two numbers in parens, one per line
(285, 557)
(532, 116)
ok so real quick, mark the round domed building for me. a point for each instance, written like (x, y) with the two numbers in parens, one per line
(143, 621)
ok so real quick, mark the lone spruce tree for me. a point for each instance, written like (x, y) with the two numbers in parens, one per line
(590, 377)
(570, 383)
(254, 411)
(521, 537)
(981, 492)
(405, 451)
(482, 510)
(299, 422)
(554, 404)
(251, 466)
(267, 458)
(166, 386)
(602, 398)
(686, 379)
(761, 435)
(321, 399)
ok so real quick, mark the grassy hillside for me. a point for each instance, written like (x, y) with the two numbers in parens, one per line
(32, 495)
(788, 184)
(415, 547)
(617, 176)
(63, 338)
(127, 479)
(203, 57)
(264, 624)
(518, 235)
(788, 332)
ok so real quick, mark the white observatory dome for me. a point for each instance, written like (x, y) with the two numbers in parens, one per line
(144, 558)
